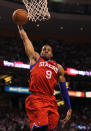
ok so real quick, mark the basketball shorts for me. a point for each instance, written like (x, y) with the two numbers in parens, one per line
(42, 111)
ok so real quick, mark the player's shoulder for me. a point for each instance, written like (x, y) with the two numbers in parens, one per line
(34, 58)
(59, 65)
(60, 68)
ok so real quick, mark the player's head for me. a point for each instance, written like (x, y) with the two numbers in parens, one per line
(46, 52)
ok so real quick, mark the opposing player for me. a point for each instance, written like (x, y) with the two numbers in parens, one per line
(41, 105)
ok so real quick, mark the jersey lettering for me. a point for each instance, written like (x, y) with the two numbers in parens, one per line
(46, 64)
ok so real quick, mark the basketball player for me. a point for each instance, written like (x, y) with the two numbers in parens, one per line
(41, 105)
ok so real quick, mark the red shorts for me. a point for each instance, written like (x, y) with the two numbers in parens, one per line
(42, 110)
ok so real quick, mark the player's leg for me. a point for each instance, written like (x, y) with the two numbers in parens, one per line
(53, 118)
(38, 121)
(38, 116)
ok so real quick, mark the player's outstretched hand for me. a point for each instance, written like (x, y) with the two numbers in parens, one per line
(21, 31)
(66, 119)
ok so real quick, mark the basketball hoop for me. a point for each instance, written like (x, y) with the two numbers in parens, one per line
(37, 10)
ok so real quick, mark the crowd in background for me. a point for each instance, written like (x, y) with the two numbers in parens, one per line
(75, 55)
(16, 120)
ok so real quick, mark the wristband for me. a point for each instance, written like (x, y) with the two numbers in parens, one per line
(65, 95)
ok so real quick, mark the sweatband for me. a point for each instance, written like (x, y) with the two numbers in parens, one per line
(65, 95)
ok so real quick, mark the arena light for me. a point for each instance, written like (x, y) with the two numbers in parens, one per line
(3, 76)
(25, 90)
(88, 94)
(74, 72)
(67, 84)
(56, 92)
(59, 103)
(69, 71)
(8, 79)
(61, 28)
(83, 127)
(15, 89)
(81, 28)
(16, 64)
(73, 93)
(76, 94)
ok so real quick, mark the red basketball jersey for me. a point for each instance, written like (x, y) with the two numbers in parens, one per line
(43, 77)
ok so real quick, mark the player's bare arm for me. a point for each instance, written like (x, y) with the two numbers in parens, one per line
(64, 91)
(31, 53)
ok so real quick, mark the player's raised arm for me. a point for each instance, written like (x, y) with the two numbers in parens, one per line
(28, 44)
(64, 92)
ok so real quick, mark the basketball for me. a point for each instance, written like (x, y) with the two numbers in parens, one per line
(20, 16)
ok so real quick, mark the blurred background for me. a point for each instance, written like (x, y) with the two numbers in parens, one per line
(69, 33)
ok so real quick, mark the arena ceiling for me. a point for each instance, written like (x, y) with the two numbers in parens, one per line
(64, 26)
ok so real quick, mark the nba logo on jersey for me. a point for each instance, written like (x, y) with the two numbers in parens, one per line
(34, 126)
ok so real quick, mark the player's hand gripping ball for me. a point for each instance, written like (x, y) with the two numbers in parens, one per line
(20, 16)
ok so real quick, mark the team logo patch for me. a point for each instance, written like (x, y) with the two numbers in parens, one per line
(34, 126)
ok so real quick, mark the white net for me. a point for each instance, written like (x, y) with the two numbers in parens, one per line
(37, 9)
